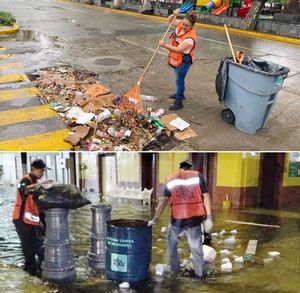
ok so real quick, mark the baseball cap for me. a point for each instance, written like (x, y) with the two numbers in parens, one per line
(186, 164)
(39, 164)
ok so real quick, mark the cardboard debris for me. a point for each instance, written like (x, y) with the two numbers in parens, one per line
(80, 133)
(166, 119)
(185, 134)
(96, 90)
(90, 107)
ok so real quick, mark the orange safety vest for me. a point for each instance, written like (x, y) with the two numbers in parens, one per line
(175, 59)
(186, 196)
(31, 214)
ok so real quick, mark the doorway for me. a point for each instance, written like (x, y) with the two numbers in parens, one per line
(268, 180)
(149, 171)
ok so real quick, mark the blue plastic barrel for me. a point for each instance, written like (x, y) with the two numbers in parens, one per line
(128, 250)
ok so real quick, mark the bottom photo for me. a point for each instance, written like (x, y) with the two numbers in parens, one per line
(149, 222)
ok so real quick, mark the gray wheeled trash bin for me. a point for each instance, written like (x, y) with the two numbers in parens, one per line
(251, 92)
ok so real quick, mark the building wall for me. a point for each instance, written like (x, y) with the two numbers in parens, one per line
(237, 175)
(128, 167)
(11, 168)
(168, 163)
(289, 191)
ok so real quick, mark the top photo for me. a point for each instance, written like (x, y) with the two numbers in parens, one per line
(141, 75)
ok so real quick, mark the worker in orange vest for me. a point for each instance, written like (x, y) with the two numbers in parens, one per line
(187, 192)
(28, 220)
(181, 52)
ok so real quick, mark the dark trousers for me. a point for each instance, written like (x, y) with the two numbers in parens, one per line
(32, 246)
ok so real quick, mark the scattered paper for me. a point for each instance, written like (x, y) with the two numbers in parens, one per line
(179, 123)
(85, 118)
(166, 119)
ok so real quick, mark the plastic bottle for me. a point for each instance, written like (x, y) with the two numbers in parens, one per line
(118, 134)
(158, 113)
(102, 134)
(111, 131)
(148, 98)
(126, 135)
(103, 115)
(117, 112)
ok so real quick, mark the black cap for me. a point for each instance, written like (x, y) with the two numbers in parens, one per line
(186, 164)
(39, 164)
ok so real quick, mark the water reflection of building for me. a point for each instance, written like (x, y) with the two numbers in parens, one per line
(269, 180)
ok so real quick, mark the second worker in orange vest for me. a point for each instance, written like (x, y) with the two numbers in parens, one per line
(181, 52)
(190, 201)
(29, 221)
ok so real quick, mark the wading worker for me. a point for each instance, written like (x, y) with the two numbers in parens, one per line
(28, 220)
(181, 52)
(187, 192)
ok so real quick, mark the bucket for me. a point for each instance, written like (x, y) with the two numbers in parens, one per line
(128, 250)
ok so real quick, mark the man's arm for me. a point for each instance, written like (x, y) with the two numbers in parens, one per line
(207, 203)
(163, 201)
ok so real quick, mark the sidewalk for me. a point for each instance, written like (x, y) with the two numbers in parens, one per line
(254, 34)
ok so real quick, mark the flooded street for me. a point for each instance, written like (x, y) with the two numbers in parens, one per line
(262, 274)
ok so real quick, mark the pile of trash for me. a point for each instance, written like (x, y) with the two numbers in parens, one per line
(101, 121)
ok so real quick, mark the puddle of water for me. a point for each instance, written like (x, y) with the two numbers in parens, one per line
(44, 40)
(279, 275)
(108, 61)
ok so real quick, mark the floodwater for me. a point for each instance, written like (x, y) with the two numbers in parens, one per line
(262, 274)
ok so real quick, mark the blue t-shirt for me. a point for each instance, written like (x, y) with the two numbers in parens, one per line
(190, 222)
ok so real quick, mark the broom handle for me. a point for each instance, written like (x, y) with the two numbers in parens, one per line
(155, 52)
(232, 52)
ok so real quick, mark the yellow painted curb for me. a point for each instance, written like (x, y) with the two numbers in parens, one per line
(15, 28)
(11, 66)
(49, 141)
(2, 49)
(13, 78)
(253, 34)
(6, 95)
(6, 56)
(26, 114)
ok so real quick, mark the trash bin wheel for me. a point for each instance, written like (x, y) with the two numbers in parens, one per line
(228, 116)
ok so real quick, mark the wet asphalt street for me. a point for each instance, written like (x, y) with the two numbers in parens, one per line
(117, 46)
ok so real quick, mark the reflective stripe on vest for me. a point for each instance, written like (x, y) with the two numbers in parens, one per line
(31, 217)
(186, 195)
(31, 211)
(175, 59)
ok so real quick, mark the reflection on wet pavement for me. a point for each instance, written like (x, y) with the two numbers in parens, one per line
(258, 275)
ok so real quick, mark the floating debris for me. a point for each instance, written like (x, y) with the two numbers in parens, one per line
(124, 285)
(163, 229)
(273, 253)
(160, 269)
(226, 267)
